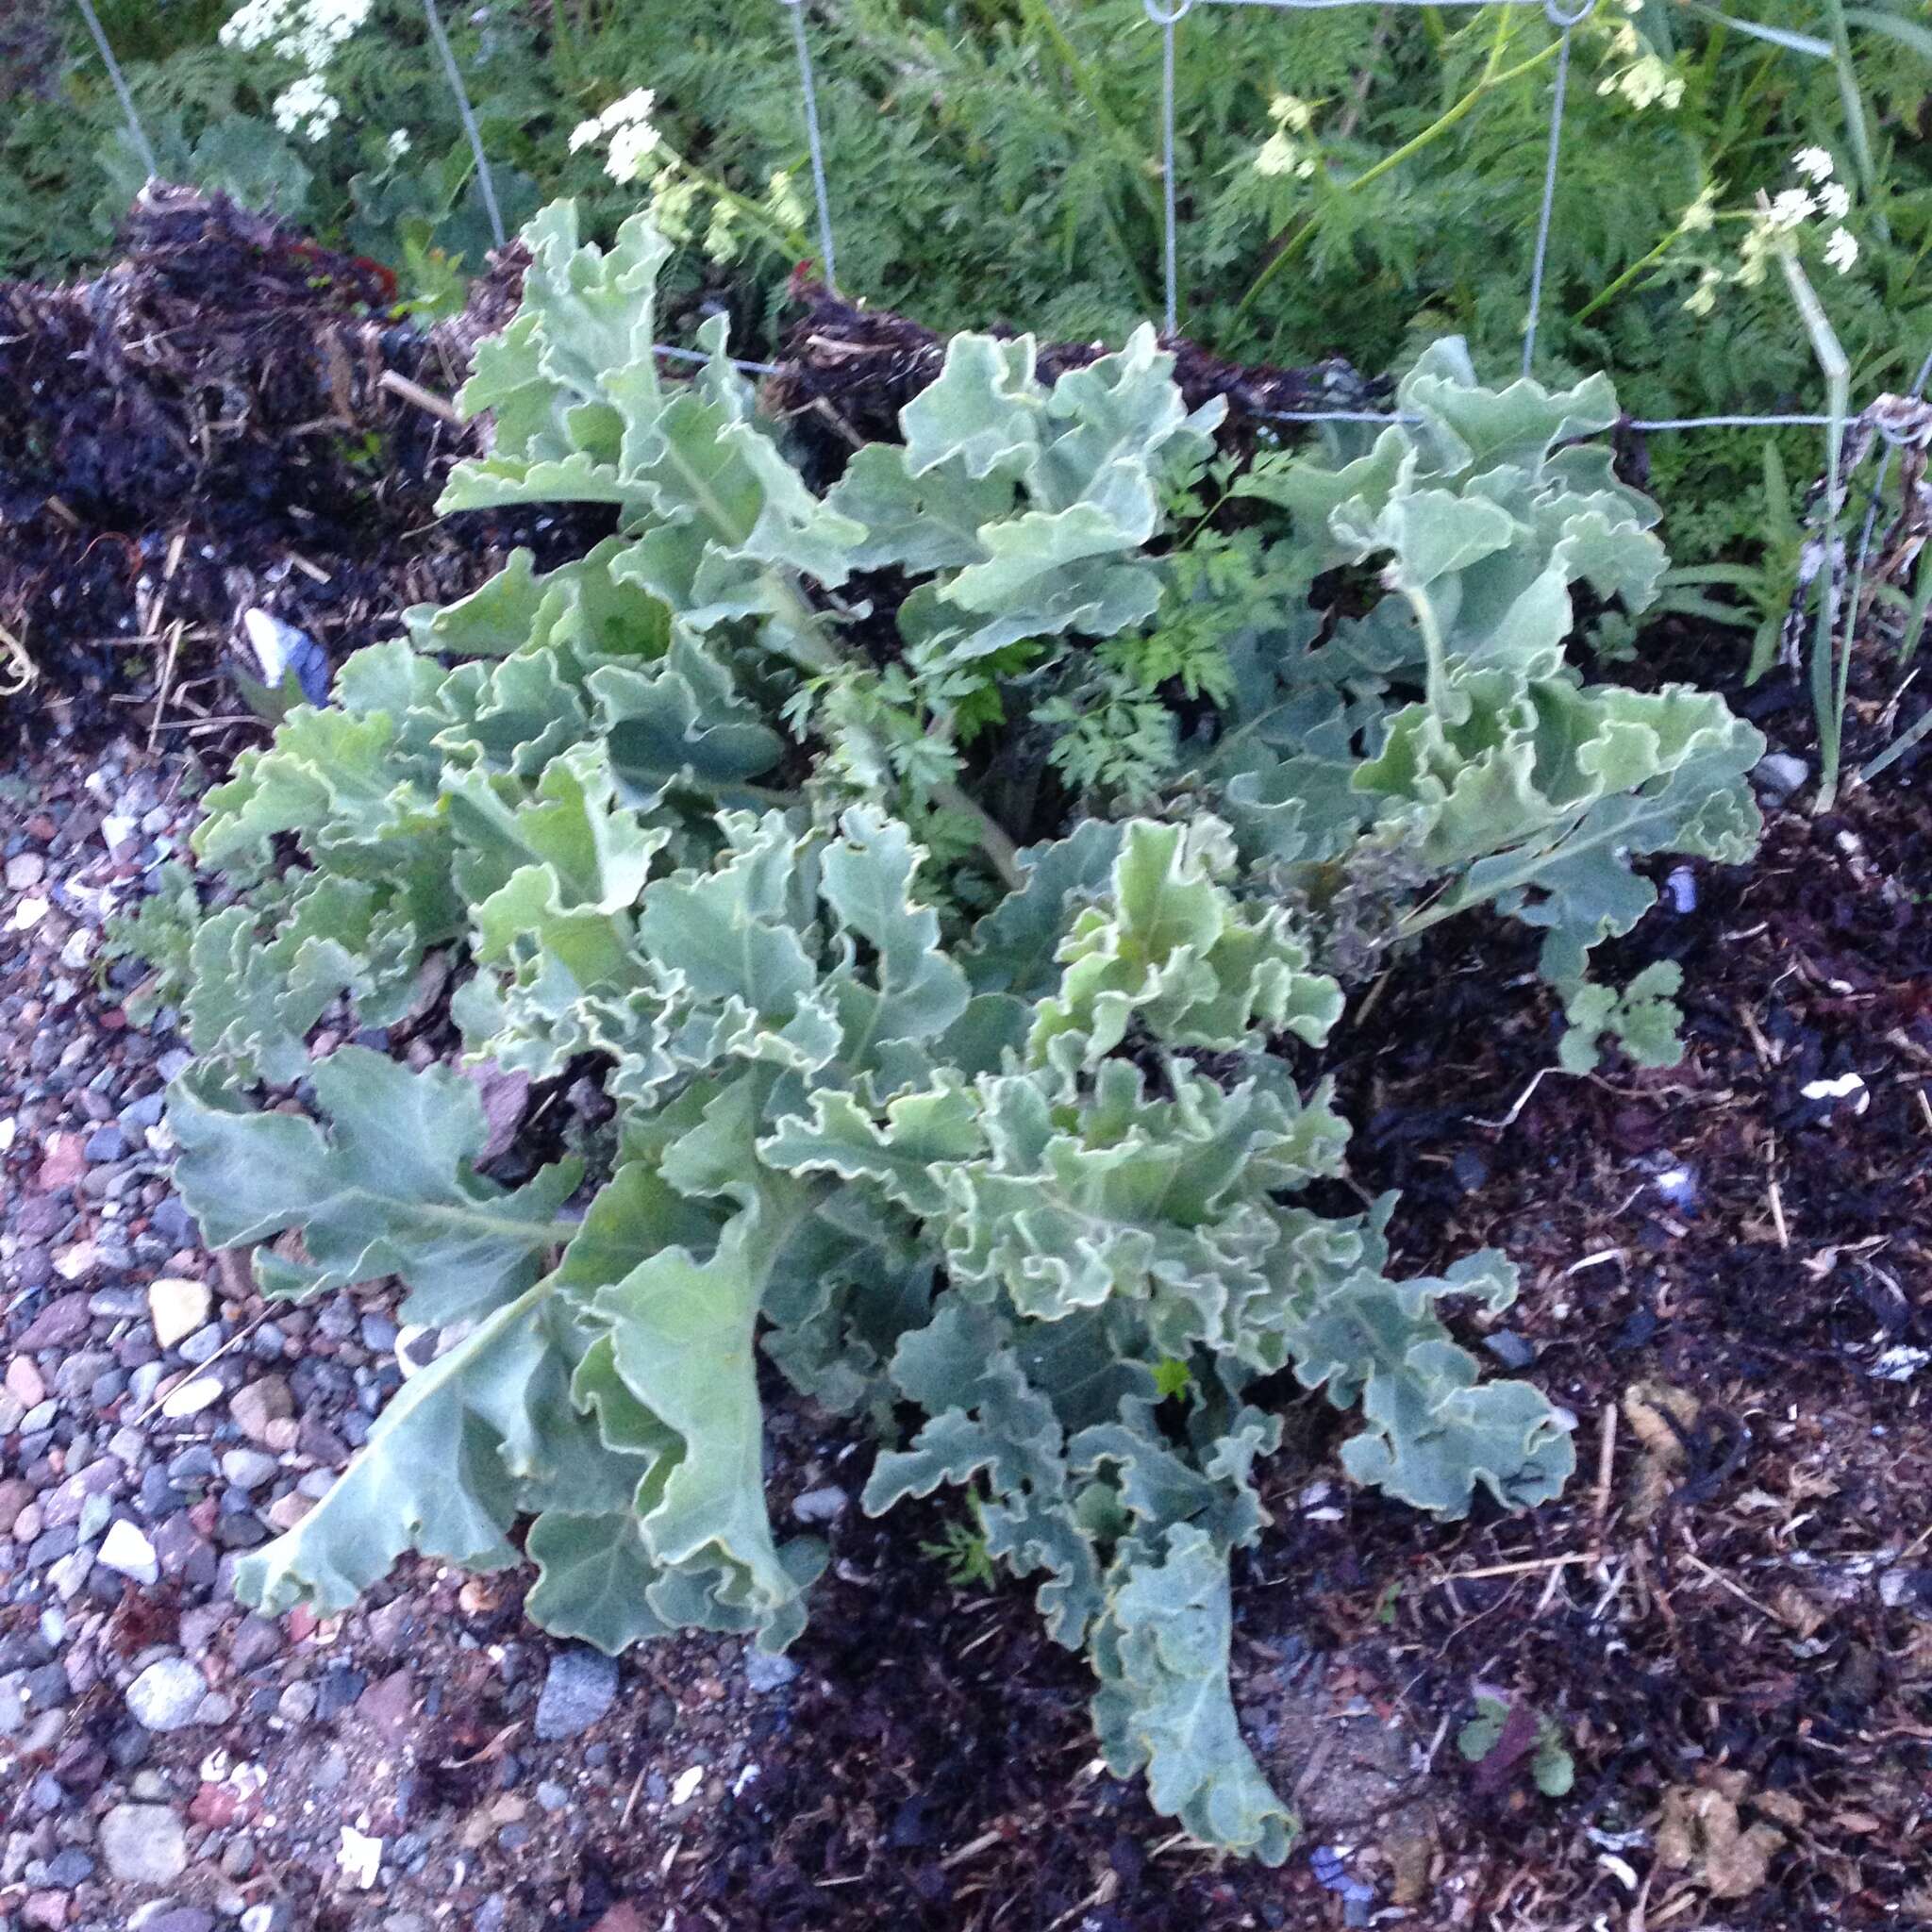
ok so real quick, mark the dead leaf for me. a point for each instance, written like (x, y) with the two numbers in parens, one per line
(623, 1918)
(1649, 1408)
(1701, 1834)
(1797, 1611)
(506, 1097)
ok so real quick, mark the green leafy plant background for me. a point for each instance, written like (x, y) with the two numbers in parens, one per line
(1011, 146)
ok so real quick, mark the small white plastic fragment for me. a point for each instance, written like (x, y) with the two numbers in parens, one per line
(1900, 1364)
(360, 1857)
(1846, 1087)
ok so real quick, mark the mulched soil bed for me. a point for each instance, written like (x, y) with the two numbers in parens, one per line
(1727, 1620)
(227, 417)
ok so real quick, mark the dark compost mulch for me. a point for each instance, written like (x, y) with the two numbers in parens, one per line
(1728, 1618)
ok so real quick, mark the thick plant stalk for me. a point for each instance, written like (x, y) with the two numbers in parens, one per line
(1829, 679)
(1857, 129)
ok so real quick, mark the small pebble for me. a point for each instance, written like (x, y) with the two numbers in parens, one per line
(128, 1553)
(167, 1696)
(580, 1687)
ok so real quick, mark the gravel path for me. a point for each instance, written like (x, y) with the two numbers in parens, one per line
(172, 1763)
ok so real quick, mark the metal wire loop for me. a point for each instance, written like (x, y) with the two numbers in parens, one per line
(1154, 12)
(1556, 17)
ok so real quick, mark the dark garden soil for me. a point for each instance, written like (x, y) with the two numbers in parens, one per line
(1726, 1623)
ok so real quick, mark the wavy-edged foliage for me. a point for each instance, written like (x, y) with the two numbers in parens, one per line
(1040, 1177)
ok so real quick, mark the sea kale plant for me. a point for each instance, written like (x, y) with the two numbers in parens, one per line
(975, 1103)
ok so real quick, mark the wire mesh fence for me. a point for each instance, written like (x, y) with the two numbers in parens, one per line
(1166, 20)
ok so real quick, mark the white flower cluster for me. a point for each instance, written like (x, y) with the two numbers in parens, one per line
(306, 107)
(782, 198)
(1645, 79)
(627, 129)
(1781, 218)
(686, 204)
(1284, 154)
(308, 32)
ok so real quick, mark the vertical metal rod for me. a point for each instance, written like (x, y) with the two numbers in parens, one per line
(454, 76)
(1559, 89)
(810, 87)
(135, 130)
(1167, 186)
(1166, 19)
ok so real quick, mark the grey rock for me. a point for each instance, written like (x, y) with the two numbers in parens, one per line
(552, 1795)
(763, 1672)
(195, 1464)
(129, 1747)
(69, 1867)
(337, 1690)
(823, 1505)
(296, 1705)
(46, 1687)
(105, 1143)
(159, 1497)
(52, 1545)
(580, 1687)
(172, 1221)
(256, 1640)
(167, 1694)
(249, 1469)
(184, 1919)
(1510, 1349)
(145, 1112)
(202, 1347)
(1779, 775)
(144, 1844)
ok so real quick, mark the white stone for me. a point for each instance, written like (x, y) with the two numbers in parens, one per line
(76, 1262)
(167, 1694)
(127, 1551)
(144, 1844)
(360, 1857)
(191, 1397)
(688, 1785)
(178, 1307)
